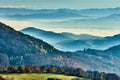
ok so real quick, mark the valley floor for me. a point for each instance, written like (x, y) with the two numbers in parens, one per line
(34, 76)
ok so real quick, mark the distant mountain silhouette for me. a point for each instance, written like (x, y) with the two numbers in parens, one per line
(48, 36)
(56, 38)
(71, 42)
(53, 15)
(56, 13)
(100, 12)
(114, 50)
(111, 17)
(42, 13)
(101, 44)
(81, 36)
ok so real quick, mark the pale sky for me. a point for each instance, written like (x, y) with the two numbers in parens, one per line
(51, 4)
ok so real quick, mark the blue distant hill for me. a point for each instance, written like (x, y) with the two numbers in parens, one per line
(56, 13)
(71, 42)
(53, 38)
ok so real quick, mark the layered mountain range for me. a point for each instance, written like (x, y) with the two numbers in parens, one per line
(72, 42)
(57, 13)
(17, 48)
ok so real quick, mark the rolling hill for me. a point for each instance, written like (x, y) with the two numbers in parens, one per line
(48, 36)
(81, 36)
(72, 42)
(100, 44)
(17, 48)
(56, 38)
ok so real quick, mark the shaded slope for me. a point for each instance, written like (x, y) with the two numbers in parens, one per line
(23, 49)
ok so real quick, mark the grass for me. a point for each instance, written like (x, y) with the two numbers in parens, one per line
(35, 76)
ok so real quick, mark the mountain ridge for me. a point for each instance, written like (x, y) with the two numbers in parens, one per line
(38, 32)
(48, 36)
(29, 13)
(72, 42)
(23, 46)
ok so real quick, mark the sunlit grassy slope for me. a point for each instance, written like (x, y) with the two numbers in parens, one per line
(40, 77)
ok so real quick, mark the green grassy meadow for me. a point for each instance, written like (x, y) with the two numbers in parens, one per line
(34, 76)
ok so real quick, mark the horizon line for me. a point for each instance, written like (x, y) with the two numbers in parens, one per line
(56, 8)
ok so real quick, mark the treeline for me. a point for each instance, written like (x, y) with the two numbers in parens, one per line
(93, 75)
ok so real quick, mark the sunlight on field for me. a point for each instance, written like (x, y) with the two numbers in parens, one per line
(40, 77)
